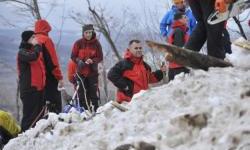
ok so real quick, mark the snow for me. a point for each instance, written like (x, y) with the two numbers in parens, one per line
(241, 57)
(199, 111)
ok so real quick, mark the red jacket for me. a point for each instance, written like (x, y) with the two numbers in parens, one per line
(31, 69)
(83, 50)
(42, 28)
(132, 75)
(172, 39)
(71, 70)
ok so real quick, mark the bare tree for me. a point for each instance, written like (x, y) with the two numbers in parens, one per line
(150, 23)
(61, 27)
(31, 6)
(100, 22)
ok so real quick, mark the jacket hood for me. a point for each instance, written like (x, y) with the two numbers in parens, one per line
(128, 55)
(42, 26)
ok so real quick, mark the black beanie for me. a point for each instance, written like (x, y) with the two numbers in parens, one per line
(26, 35)
(178, 15)
(87, 27)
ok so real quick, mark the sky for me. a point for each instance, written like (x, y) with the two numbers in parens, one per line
(113, 8)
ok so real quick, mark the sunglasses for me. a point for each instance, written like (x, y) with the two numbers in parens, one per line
(137, 48)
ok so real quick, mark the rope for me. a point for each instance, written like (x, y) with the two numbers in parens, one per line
(85, 91)
(39, 116)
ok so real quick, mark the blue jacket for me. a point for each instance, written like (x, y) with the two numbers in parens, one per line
(166, 22)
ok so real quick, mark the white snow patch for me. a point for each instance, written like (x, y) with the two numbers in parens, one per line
(199, 111)
(240, 56)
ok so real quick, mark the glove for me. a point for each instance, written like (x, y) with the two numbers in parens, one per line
(127, 91)
(124, 85)
(126, 88)
(80, 65)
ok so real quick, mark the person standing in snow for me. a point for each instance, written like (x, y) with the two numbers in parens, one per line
(167, 20)
(205, 32)
(178, 37)
(54, 78)
(31, 74)
(87, 54)
(132, 74)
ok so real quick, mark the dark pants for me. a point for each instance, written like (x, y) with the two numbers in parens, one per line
(33, 103)
(91, 87)
(226, 41)
(172, 72)
(179, 37)
(203, 31)
(53, 95)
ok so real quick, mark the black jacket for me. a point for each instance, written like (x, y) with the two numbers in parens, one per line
(31, 70)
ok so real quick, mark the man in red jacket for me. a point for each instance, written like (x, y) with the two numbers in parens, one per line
(31, 73)
(87, 54)
(54, 76)
(132, 74)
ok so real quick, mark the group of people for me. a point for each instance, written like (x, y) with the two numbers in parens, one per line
(40, 75)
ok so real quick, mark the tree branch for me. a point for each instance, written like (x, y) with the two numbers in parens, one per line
(20, 2)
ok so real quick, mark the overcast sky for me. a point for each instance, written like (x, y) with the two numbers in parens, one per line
(113, 8)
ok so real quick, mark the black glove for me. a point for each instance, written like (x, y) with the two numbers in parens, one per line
(128, 90)
(80, 65)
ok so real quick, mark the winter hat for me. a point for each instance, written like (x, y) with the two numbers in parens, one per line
(87, 27)
(178, 15)
(26, 35)
(177, 1)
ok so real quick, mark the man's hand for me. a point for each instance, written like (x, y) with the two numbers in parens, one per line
(34, 41)
(163, 67)
(89, 61)
(60, 84)
(80, 65)
(126, 88)
(168, 57)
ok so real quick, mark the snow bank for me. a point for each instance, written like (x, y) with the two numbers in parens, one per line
(240, 57)
(199, 111)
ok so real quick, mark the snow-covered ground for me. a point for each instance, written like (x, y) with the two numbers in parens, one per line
(199, 111)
